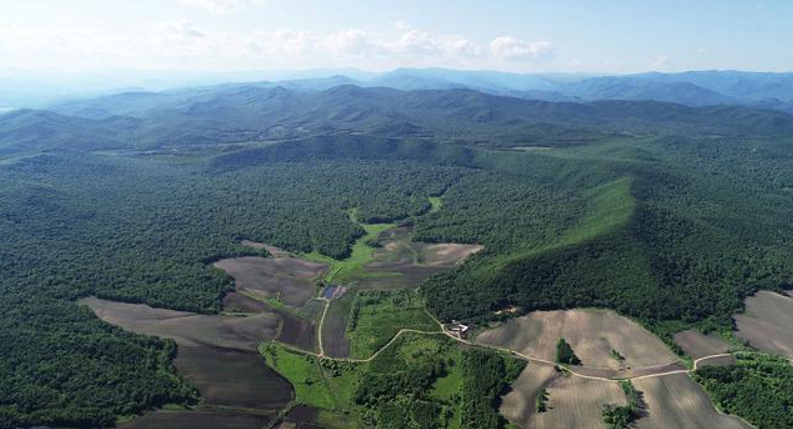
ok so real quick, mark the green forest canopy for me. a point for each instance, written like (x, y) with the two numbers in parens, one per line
(647, 226)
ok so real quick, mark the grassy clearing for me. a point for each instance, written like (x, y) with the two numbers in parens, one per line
(609, 207)
(353, 266)
(436, 203)
(447, 387)
(377, 316)
(418, 381)
(333, 420)
(303, 372)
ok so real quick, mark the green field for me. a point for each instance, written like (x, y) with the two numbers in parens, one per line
(361, 254)
(377, 316)
(423, 374)
(303, 372)
(669, 215)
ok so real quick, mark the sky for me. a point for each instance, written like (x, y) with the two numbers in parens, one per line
(603, 36)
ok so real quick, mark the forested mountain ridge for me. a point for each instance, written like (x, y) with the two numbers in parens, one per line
(635, 206)
(252, 113)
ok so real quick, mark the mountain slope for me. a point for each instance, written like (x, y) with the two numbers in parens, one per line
(256, 113)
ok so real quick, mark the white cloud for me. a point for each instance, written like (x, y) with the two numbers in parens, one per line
(408, 45)
(351, 42)
(182, 44)
(514, 49)
(219, 6)
(661, 63)
(180, 28)
(287, 43)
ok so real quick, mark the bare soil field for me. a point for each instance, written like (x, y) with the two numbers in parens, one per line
(519, 405)
(232, 378)
(445, 254)
(408, 275)
(767, 322)
(188, 329)
(205, 418)
(398, 250)
(573, 402)
(593, 334)
(717, 361)
(413, 261)
(216, 354)
(272, 250)
(301, 417)
(676, 401)
(697, 344)
(238, 303)
(297, 331)
(616, 374)
(294, 330)
(334, 329)
(289, 279)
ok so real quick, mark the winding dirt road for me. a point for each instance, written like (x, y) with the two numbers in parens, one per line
(531, 359)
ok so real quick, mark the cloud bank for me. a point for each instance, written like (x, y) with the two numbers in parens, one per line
(182, 44)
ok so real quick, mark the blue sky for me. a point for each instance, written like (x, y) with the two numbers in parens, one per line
(605, 36)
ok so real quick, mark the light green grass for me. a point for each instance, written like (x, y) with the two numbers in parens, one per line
(333, 420)
(273, 303)
(380, 315)
(436, 203)
(330, 386)
(609, 207)
(445, 388)
(303, 372)
(361, 254)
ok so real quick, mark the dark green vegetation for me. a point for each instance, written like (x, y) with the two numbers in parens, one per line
(486, 377)
(541, 401)
(645, 223)
(49, 348)
(565, 353)
(621, 416)
(652, 235)
(377, 316)
(421, 381)
(758, 389)
(144, 230)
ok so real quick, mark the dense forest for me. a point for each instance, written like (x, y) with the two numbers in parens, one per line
(644, 222)
(656, 244)
(757, 388)
(141, 230)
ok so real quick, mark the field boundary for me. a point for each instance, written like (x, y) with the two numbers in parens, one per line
(528, 358)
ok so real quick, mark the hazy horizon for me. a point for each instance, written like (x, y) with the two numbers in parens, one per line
(619, 37)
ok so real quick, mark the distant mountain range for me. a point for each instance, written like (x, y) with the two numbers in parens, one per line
(240, 113)
(696, 89)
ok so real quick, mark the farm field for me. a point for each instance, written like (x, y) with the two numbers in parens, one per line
(377, 316)
(190, 329)
(697, 344)
(334, 328)
(272, 250)
(235, 302)
(519, 405)
(676, 401)
(198, 419)
(593, 334)
(244, 388)
(288, 280)
(297, 331)
(412, 261)
(767, 323)
(232, 378)
(573, 402)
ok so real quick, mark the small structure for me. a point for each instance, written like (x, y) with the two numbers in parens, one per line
(458, 329)
(510, 309)
(334, 292)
